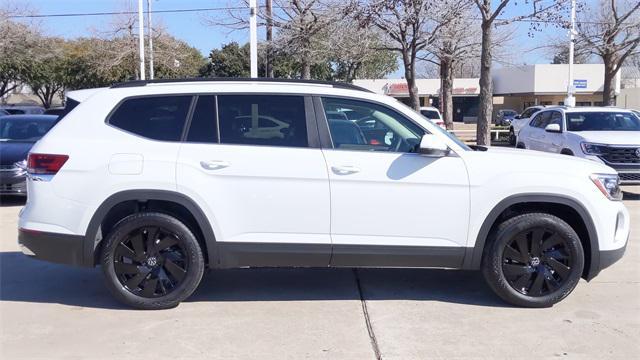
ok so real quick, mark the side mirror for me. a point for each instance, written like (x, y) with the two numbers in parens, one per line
(431, 145)
(552, 128)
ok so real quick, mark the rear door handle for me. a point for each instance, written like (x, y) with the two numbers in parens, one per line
(345, 170)
(214, 164)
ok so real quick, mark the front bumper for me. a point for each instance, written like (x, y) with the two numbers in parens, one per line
(13, 181)
(53, 247)
(609, 257)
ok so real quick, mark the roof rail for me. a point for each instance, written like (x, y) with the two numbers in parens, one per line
(339, 85)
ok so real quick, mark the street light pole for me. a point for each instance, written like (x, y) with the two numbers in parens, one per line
(141, 39)
(253, 38)
(150, 30)
(571, 100)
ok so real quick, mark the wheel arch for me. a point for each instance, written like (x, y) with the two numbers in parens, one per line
(180, 206)
(567, 208)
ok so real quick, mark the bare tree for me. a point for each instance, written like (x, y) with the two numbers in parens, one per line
(410, 27)
(548, 10)
(612, 31)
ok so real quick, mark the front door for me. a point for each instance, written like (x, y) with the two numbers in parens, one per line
(389, 205)
(262, 176)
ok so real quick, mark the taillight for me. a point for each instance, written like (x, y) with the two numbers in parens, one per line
(45, 164)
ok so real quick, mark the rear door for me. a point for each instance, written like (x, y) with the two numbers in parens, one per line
(262, 176)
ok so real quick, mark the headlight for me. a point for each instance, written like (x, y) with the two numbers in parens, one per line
(593, 149)
(21, 164)
(608, 184)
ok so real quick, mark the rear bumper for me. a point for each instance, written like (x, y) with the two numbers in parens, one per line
(53, 247)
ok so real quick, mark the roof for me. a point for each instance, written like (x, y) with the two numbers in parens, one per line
(30, 117)
(340, 85)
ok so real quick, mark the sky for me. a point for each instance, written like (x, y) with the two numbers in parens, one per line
(192, 28)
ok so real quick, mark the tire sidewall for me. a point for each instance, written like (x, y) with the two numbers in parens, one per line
(190, 245)
(492, 262)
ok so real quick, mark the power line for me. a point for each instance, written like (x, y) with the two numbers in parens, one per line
(235, 8)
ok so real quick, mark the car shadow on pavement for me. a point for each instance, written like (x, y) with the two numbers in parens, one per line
(12, 200)
(28, 280)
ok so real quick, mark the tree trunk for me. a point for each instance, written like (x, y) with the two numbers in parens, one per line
(609, 91)
(306, 70)
(410, 76)
(485, 109)
(446, 74)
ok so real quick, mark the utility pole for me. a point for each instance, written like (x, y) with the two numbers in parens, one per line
(141, 39)
(253, 38)
(150, 39)
(571, 100)
(269, 60)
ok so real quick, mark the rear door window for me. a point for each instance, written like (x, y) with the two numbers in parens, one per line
(273, 120)
(203, 128)
(155, 117)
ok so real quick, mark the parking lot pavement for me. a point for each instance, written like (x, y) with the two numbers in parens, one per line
(51, 311)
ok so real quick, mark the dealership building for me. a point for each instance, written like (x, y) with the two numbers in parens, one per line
(513, 87)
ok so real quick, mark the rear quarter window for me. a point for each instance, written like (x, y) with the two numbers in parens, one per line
(156, 117)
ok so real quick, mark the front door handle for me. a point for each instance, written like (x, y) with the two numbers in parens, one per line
(345, 170)
(214, 164)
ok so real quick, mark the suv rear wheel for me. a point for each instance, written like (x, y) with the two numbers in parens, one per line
(152, 261)
(533, 260)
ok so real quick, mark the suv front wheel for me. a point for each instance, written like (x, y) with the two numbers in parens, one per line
(533, 260)
(152, 261)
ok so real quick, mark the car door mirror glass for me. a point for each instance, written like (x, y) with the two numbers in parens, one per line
(431, 145)
(552, 128)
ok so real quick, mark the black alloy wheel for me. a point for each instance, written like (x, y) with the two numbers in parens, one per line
(150, 262)
(533, 260)
(537, 261)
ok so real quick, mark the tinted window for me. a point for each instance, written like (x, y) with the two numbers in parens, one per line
(602, 121)
(275, 120)
(24, 129)
(203, 126)
(379, 128)
(541, 120)
(15, 111)
(159, 118)
(556, 118)
(430, 114)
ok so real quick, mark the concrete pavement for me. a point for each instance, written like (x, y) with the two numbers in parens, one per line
(53, 311)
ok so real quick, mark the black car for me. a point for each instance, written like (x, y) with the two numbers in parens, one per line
(18, 133)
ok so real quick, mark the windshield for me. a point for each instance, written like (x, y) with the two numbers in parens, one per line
(23, 129)
(509, 113)
(602, 121)
(430, 114)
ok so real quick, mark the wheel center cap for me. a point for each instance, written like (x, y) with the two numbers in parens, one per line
(535, 261)
(152, 261)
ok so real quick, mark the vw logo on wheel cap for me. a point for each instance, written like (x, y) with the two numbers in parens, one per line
(638, 152)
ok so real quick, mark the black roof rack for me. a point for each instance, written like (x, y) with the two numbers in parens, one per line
(340, 85)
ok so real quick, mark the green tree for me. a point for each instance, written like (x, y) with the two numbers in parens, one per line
(232, 60)
(45, 73)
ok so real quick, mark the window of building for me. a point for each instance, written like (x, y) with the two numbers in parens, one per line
(275, 120)
(203, 128)
(154, 117)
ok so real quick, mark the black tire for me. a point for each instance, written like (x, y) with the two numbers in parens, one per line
(567, 152)
(521, 146)
(147, 274)
(512, 136)
(525, 275)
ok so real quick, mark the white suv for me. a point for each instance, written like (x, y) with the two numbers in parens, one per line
(604, 134)
(157, 180)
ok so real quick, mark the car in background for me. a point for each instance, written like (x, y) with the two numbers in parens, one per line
(23, 109)
(18, 133)
(519, 121)
(4, 112)
(58, 111)
(433, 114)
(505, 116)
(605, 134)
